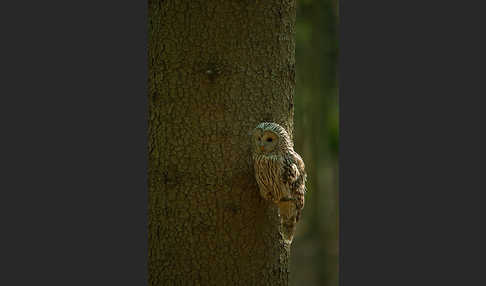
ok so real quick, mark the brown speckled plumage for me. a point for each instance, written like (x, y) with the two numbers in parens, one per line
(280, 173)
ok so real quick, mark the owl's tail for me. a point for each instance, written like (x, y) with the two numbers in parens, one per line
(288, 219)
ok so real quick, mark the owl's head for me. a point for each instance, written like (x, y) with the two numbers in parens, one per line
(269, 138)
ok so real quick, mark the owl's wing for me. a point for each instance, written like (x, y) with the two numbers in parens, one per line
(293, 168)
(299, 163)
(290, 207)
(295, 178)
(290, 170)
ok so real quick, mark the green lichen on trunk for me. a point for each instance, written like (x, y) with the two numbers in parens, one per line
(216, 69)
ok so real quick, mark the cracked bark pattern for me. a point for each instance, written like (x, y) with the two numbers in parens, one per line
(216, 69)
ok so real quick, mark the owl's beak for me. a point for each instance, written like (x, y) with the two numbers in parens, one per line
(261, 147)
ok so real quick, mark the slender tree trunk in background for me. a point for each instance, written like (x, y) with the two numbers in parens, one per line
(316, 254)
(324, 42)
(216, 69)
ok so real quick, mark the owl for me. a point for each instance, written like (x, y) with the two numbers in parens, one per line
(280, 174)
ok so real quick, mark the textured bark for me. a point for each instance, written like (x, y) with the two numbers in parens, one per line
(216, 69)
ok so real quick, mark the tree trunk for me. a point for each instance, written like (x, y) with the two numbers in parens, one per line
(216, 69)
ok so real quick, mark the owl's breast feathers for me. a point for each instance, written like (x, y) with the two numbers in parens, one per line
(281, 178)
(268, 173)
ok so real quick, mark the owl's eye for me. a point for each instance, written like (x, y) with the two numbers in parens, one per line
(269, 140)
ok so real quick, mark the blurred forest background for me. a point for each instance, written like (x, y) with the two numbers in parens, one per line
(315, 250)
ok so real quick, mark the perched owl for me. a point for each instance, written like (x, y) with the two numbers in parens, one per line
(280, 173)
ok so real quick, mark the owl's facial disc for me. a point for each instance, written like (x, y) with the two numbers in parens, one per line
(268, 141)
